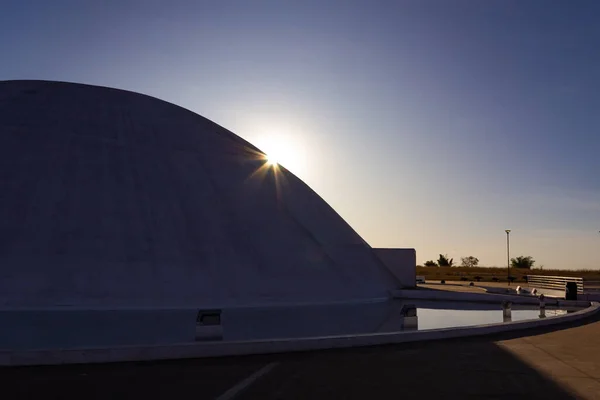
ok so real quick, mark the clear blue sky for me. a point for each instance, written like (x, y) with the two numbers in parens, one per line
(426, 124)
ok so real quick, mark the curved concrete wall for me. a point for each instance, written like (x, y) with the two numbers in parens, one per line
(402, 263)
(112, 198)
(77, 328)
(19, 357)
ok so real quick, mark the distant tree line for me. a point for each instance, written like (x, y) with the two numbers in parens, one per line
(522, 262)
(443, 261)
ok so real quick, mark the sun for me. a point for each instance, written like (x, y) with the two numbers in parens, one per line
(283, 150)
(277, 150)
(272, 160)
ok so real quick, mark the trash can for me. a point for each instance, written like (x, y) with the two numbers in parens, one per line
(571, 291)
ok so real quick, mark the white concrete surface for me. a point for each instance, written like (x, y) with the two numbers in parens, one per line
(63, 328)
(466, 296)
(439, 295)
(217, 349)
(401, 262)
(116, 199)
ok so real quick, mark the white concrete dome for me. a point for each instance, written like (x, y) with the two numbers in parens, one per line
(112, 198)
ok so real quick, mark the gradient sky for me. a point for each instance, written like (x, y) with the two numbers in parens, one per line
(427, 124)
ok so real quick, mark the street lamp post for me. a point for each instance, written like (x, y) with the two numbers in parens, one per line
(508, 255)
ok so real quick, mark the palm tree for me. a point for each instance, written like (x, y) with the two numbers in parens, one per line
(522, 262)
(443, 261)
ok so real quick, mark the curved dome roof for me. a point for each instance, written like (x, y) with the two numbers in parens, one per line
(112, 198)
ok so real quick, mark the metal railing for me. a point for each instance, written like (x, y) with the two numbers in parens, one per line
(554, 282)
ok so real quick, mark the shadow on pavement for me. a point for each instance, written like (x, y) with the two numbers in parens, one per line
(433, 370)
(455, 368)
(196, 379)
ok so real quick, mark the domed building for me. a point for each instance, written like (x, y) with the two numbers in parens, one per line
(113, 200)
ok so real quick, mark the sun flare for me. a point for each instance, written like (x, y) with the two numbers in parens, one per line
(283, 150)
(272, 160)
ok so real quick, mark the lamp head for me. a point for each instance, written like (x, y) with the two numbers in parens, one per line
(507, 231)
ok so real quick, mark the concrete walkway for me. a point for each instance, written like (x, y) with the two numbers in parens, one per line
(570, 358)
(458, 286)
(554, 363)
